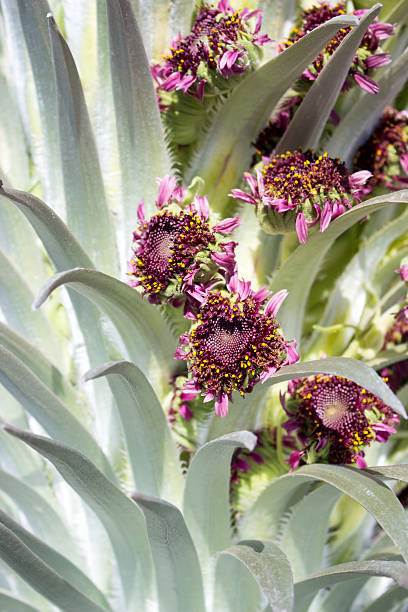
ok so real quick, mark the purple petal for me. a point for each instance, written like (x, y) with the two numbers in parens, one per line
(282, 205)
(335, 117)
(326, 216)
(275, 303)
(200, 90)
(360, 178)
(253, 185)
(382, 30)
(366, 83)
(228, 58)
(140, 213)
(186, 82)
(267, 374)
(403, 271)
(171, 83)
(243, 196)
(378, 60)
(301, 227)
(293, 355)
(261, 295)
(224, 7)
(360, 462)
(242, 465)
(202, 206)
(221, 405)
(404, 162)
(244, 289)
(180, 354)
(294, 459)
(185, 412)
(227, 225)
(191, 387)
(166, 187)
(208, 397)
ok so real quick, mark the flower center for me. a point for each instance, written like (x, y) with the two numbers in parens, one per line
(228, 342)
(333, 414)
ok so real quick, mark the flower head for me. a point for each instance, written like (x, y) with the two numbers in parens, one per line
(366, 57)
(396, 375)
(220, 44)
(385, 153)
(177, 248)
(235, 343)
(335, 419)
(297, 190)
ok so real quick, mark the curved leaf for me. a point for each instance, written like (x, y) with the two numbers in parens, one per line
(58, 562)
(42, 517)
(42, 577)
(395, 472)
(361, 119)
(349, 296)
(226, 149)
(174, 556)
(15, 300)
(370, 493)
(388, 600)
(352, 369)
(308, 257)
(245, 595)
(349, 571)
(33, 359)
(63, 248)
(303, 539)
(140, 133)
(270, 568)
(307, 125)
(121, 518)
(13, 604)
(84, 190)
(206, 494)
(147, 433)
(139, 323)
(48, 409)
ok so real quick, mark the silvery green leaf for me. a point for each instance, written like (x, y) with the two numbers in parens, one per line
(245, 594)
(63, 566)
(226, 149)
(403, 395)
(39, 365)
(139, 323)
(42, 577)
(361, 119)
(309, 121)
(14, 155)
(395, 472)
(147, 433)
(142, 149)
(14, 604)
(369, 492)
(304, 538)
(308, 257)
(155, 19)
(389, 601)
(28, 23)
(392, 10)
(352, 369)
(63, 248)
(16, 299)
(337, 598)
(206, 494)
(271, 569)
(349, 296)
(122, 520)
(52, 414)
(178, 572)
(349, 571)
(41, 516)
(83, 186)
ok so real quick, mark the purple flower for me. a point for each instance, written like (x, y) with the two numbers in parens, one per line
(233, 343)
(364, 60)
(403, 272)
(177, 245)
(385, 153)
(335, 419)
(297, 190)
(215, 45)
